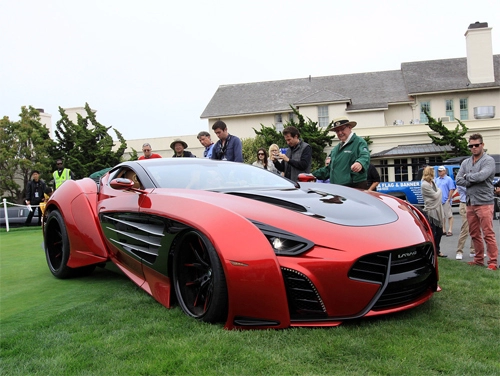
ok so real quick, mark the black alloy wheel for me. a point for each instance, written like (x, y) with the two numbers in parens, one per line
(199, 280)
(57, 248)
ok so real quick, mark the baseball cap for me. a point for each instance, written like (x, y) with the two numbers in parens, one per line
(441, 168)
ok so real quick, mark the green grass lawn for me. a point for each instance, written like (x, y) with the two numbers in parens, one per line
(105, 325)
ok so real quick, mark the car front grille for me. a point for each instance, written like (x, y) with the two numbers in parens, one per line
(404, 274)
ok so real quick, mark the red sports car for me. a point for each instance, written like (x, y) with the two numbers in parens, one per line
(234, 243)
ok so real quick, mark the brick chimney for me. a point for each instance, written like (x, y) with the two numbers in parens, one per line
(479, 53)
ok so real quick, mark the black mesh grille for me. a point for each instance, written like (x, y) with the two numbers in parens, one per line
(405, 273)
(371, 268)
(304, 301)
(397, 294)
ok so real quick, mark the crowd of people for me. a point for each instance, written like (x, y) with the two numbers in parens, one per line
(348, 164)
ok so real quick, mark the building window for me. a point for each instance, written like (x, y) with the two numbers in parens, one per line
(291, 117)
(278, 122)
(323, 119)
(464, 109)
(435, 160)
(384, 170)
(424, 106)
(401, 170)
(449, 109)
(416, 165)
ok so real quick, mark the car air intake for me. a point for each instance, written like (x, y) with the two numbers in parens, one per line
(304, 301)
(404, 274)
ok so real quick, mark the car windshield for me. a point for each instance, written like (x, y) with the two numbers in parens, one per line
(214, 175)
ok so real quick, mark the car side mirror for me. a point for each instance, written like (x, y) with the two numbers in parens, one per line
(121, 183)
(306, 178)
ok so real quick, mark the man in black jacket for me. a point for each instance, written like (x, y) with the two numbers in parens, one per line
(34, 195)
(298, 156)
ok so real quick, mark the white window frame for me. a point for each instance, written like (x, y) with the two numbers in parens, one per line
(464, 109)
(278, 122)
(323, 118)
(423, 117)
(450, 106)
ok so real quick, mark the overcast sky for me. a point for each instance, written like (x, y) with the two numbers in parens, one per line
(150, 67)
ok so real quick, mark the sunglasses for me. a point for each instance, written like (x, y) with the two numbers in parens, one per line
(470, 146)
(146, 150)
(260, 154)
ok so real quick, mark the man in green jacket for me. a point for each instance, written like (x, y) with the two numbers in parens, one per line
(350, 159)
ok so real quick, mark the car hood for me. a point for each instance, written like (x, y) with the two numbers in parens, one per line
(328, 202)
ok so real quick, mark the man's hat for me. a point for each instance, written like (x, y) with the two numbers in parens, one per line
(341, 121)
(441, 168)
(178, 140)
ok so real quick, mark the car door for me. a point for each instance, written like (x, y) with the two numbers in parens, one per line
(118, 211)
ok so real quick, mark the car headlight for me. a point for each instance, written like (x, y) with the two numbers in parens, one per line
(284, 243)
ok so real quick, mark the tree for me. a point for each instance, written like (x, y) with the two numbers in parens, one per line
(454, 138)
(310, 132)
(368, 141)
(133, 155)
(25, 145)
(86, 146)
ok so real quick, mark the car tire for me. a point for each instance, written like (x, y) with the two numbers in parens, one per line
(199, 280)
(56, 244)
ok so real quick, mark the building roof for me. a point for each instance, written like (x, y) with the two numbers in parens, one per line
(324, 95)
(443, 75)
(360, 91)
(415, 149)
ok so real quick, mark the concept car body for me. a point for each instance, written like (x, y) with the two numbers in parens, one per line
(234, 243)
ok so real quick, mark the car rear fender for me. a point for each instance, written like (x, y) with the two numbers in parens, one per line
(76, 201)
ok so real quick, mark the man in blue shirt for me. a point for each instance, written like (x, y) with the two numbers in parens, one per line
(447, 186)
(206, 141)
(228, 148)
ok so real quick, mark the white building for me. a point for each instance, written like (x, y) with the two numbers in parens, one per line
(388, 106)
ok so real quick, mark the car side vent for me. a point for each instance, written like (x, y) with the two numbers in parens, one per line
(304, 301)
(134, 234)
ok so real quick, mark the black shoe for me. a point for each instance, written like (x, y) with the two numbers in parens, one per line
(442, 255)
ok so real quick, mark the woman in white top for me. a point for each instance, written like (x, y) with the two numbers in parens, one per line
(263, 162)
